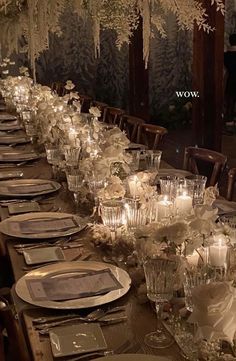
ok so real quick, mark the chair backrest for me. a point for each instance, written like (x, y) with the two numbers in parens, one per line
(8, 320)
(114, 116)
(130, 125)
(206, 162)
(102, 107)
(151, 135)
(85, 102)
(230, 184)
(59, 88)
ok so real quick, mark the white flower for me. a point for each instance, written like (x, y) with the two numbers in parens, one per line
(214, 311)
(5, 72)
(204, 219)
(6, 60)
(69, 85)
(95, 111)
(210, 195)
(176, 232)
(23, 70)
(113, 190)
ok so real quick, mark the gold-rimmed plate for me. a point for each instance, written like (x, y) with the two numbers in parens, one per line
(14, 139)
(73, 268)
(11, 155)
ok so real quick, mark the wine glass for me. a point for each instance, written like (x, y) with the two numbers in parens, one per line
(160, 277)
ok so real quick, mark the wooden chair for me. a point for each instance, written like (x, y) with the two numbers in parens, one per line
(102, 107)
(17, 348)
(151, 135)
(59, 88)
(85, 102)
(130, 126)
(206, 162)
(231, 183)
(114, 116)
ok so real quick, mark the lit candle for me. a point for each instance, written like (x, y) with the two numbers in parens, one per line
(183, 204)
(133, 185)
(218, 252)
(193, 259)
(164, 208)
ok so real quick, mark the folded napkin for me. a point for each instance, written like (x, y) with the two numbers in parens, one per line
(42, 225)
(214, 311)
(68, 287)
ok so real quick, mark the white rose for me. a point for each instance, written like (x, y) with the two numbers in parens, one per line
(95, 111)
(69, 85)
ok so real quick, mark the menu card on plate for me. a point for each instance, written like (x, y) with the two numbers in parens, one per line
(69, 287)
(30, 188)
(42, 225)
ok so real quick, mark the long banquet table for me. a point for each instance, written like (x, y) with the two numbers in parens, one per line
(141, 316)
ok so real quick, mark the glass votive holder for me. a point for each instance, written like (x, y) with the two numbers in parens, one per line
(230, 222)
(135, 159)
(169, 186)
(153, 159)
(54, 156)
(26, 116)
(72, 154)
(136, 213)
(183, 203)
(219, 257)
(160, 208)
(112, 214)
(194, 277)
(197, 183)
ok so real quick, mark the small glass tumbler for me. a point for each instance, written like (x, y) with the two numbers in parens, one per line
(53, 154)
(72, 155)
(198, 184)
(169, 186)
(194, 277)
(135, 159)
(153, 159)
(160, 280)
(136, 213)
(112, 213)
(75, 183)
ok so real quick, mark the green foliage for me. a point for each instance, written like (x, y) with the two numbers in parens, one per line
(175, 115)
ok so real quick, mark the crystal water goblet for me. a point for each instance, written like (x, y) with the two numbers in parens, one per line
(75, 182)
(160, 278)
(112, 213)
(198, 184)
(153, 159)
(135, 213)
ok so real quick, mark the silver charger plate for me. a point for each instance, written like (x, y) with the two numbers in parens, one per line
(6, 227)
(133, 357)
(5, 187)
(181, 173)
(6, 116)
(8, 155)
(59, 270)
(14, 139)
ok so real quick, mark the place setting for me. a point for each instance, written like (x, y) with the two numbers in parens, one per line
(20, 155)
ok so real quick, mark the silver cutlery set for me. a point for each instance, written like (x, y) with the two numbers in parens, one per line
(44, 324)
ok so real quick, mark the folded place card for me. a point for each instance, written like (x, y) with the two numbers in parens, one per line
(68, 287)
(42, 255)
(25, 207)
(24, 188)
(43, 225)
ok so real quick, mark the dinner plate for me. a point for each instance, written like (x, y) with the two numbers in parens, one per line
(27, 187)
(181, 173)
(77, 339)
(10, 126)
(13, 226)
(7, 116)
(14, 139)
(133, 357)
(11, 155)
(10, 174)
(224, 206)
(73, 268)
